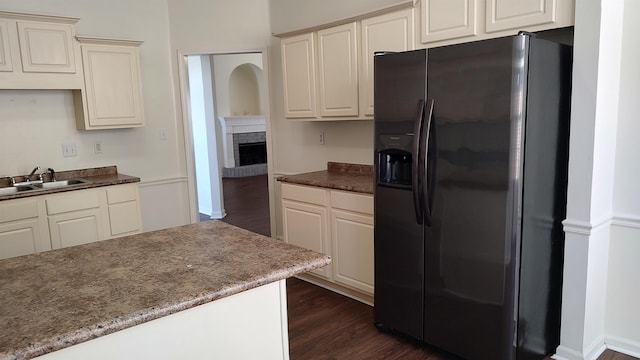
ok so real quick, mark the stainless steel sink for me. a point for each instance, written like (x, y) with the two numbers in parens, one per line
(16, 189)
(62, 183)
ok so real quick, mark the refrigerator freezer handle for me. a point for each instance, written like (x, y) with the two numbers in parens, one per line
(416, 183)
(424, 164)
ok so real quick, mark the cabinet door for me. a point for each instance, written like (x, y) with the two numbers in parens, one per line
(305, 225)
(299, 76)
(124, 211)
(113, 89)
(509, 14)
(352, 236)
(75, 228)
(5, 51)
(124, 218)
(448, 19)
(46, 47)
(19, 238)
(390, 32)
(338, 70)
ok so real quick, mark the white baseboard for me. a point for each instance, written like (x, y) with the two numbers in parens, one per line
(622, 345)
(566, 353)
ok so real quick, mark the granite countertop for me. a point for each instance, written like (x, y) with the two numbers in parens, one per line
(97, 177)
(339, 176)
(55, 299)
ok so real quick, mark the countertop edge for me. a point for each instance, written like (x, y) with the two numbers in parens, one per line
(85, 334)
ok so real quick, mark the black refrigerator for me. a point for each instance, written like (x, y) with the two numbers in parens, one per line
(471, 153)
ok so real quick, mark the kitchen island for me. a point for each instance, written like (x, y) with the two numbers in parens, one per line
(203, 290)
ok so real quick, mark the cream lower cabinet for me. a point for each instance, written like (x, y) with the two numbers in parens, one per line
(305, 220)
(352, 239)
(124, 210)
(75, 218)
(337, 223)
(22, 230)
(55, 221)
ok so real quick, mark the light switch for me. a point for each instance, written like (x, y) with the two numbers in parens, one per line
(69, 150)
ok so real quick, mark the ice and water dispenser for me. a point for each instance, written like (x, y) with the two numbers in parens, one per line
(394, 160)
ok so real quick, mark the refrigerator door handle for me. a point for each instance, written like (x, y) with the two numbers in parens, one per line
(416, 184)
(424, 164)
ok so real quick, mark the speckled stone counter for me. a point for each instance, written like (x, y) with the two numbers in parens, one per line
(96, 177)
(339, 176)
(56, 299)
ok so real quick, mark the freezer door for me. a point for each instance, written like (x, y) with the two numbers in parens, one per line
(468, 292)
(399, 97)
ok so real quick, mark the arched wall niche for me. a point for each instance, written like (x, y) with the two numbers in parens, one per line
(245, 83)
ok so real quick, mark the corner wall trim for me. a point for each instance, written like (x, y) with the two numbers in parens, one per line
(585, 227)
(626, 220)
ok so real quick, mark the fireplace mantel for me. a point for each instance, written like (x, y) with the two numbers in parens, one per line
(238, 125)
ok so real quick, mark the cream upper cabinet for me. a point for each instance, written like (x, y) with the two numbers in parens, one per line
(389, 32)
(338, 70)
(299, 76)
(5, 50)
(38, 52)
(113, 93)
(448, 19)
(509, 14)
(444, 22)
(341, 57)
(46, 47)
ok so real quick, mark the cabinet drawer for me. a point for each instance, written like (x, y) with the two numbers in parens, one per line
(18, 210)
(352, 202)
(79, 200)
(304, 194)
(119, 194)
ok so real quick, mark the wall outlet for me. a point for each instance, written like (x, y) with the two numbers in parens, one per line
(97, 148)
(69, 150)
(321, 138)
(163, 134)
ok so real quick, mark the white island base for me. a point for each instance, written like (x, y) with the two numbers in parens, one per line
(249, 325)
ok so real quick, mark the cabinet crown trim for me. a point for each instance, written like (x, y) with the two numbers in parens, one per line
(38, 17)
(384, 10)
(108, 41)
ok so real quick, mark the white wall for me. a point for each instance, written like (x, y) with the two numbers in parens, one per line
(623, 291)
(199, 138)
(223, 66)
(34, 124)
(210, 27)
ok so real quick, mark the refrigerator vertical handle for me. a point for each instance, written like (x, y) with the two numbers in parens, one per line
(424, 166)
(416, 175)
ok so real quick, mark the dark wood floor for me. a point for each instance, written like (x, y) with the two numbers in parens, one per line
(327, 325)
(324, 324)
(246, 201)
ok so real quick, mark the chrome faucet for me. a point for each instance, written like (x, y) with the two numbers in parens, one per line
(52, 173)
(12, 181)
(28, 177)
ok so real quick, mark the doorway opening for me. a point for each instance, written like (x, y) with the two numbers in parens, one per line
(226, 100)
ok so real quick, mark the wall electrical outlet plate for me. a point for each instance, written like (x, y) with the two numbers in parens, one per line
(321, 138)
(69, 150)
(97, 148)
